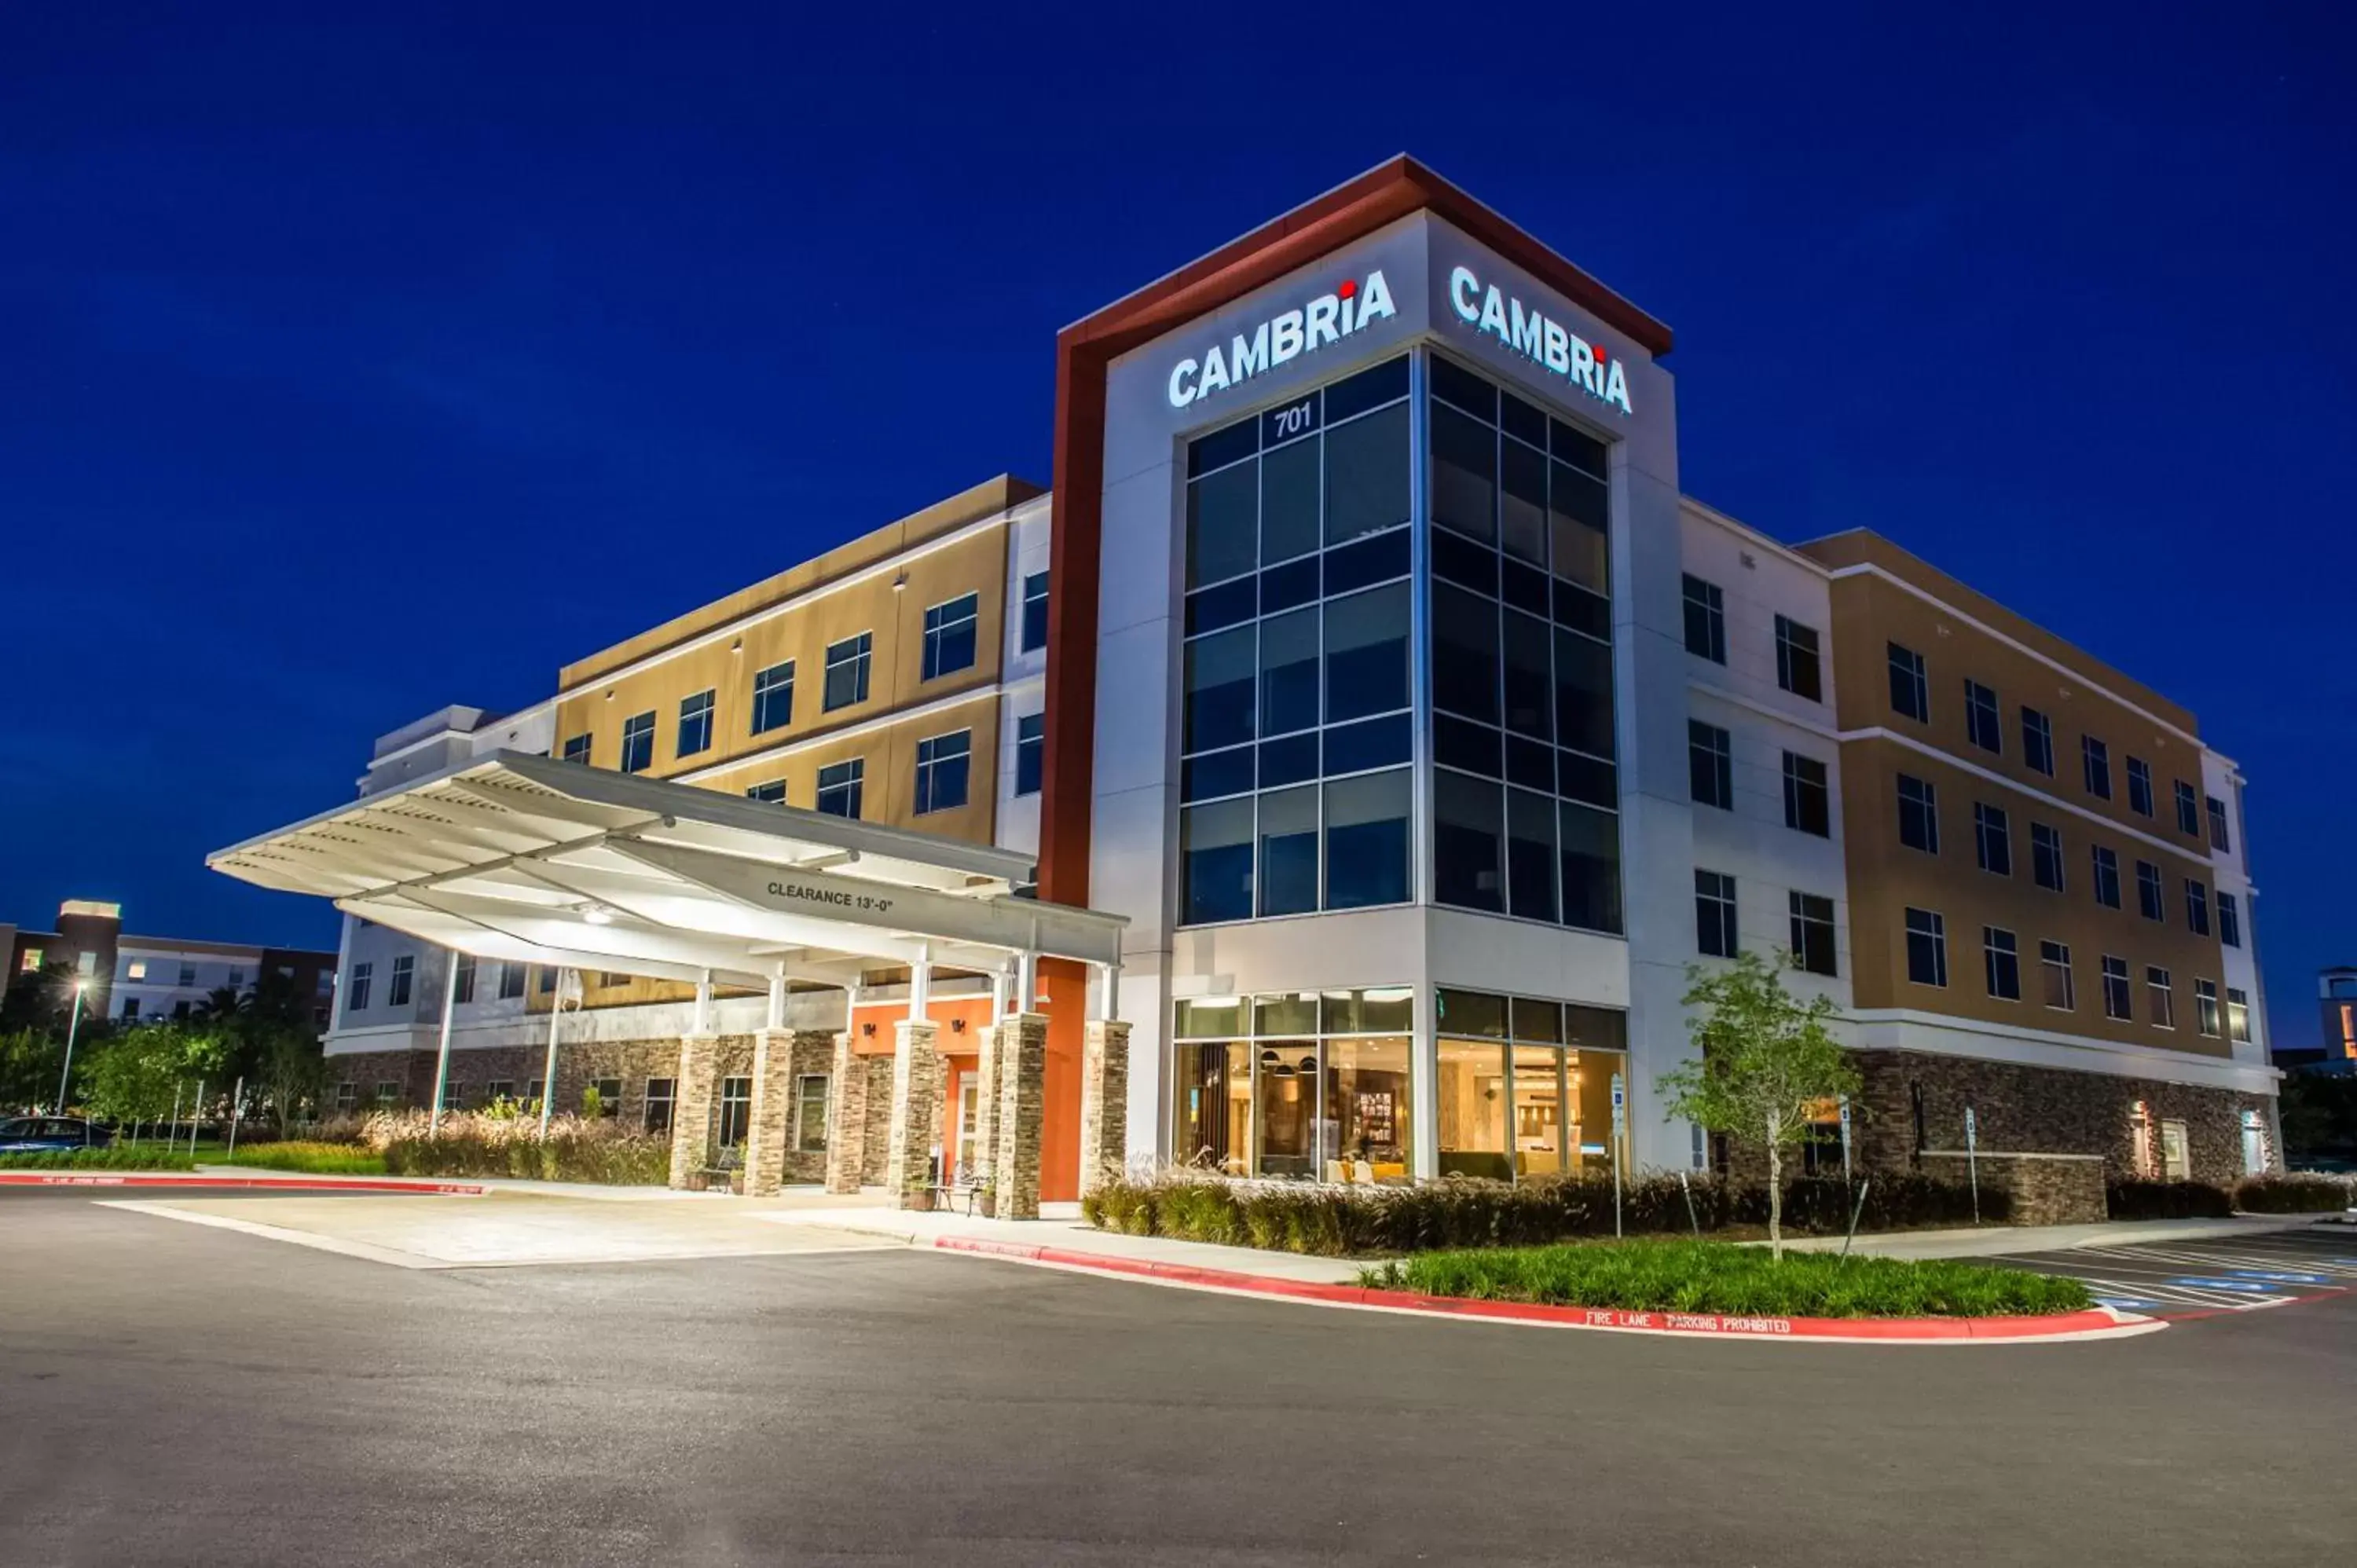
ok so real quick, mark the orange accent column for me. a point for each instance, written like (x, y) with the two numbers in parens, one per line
(1067, 986)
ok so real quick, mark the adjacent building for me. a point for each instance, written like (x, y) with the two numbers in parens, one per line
(131, 978)
(1369, 667)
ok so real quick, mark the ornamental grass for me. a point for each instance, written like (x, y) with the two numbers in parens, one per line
(473, 1144)
(1658, 1274)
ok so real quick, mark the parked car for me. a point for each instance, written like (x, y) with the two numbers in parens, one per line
(43, 1135)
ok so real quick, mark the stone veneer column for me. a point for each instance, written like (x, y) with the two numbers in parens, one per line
(1105, 1103)
(769, 1113)
(1022, 1106)
(691, 1108)
(847, 1118)
(986, 1118)
(917, 1077)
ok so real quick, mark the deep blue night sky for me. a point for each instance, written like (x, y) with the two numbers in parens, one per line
(354, 367)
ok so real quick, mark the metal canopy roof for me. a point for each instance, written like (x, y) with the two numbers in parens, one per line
(526, 859)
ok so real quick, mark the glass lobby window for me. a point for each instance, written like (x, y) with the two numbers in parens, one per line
(846, 671)
(1525, 1085)
(1525, 791)
(944, 763)
(696, 723)
(840, 786)
(1706, 619)
(949, 636)
(735, 1110)
(1035, 612)
(1303, 1085)
(1030, 752)
(2037, 741)
(773, 697)
(1296, 727)
(1911, 686)
(639, 742)
(810, 1113)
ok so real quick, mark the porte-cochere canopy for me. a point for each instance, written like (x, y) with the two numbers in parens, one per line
(526, 859)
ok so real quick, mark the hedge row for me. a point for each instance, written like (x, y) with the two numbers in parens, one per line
(1338, 1222)
(2295, 1193)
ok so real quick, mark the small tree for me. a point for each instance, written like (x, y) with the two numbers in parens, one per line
(1766, 1062)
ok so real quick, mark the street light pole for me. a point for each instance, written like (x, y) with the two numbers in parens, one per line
(73, 1023)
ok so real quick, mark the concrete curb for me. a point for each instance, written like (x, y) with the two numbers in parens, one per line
(290, 1182)
(2097, 1323)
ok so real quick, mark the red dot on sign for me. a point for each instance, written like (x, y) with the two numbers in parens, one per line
(1348, 288)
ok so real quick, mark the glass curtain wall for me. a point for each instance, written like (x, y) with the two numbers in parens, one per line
(1525, 1085)
(1296, 724)
(1304, 1085)
(1525, 795)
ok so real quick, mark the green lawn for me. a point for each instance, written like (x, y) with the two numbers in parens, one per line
(1649, 1275)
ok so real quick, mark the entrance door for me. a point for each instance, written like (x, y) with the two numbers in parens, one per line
(969, 1097)
(2255, 1146)
(2175, 1164)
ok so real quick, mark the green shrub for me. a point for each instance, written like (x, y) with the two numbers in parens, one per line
(2295, 1193)
(118, 1157)
(2166, 1200)
(316, 1158)
(1671, 1275)
(470, 1145)
(1462, 1211)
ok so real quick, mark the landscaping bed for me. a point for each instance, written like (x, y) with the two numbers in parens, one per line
(117, 1157)
(1657, 1274)
(1346, 1221)
(471, 1144)
(2295, 1193)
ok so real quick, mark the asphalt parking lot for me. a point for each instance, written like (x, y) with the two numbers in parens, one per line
(2195, 1279)
(183, 1393)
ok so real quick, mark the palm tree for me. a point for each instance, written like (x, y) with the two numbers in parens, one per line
(224, 1003)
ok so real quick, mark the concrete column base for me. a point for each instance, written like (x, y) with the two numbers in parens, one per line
(847, 1118)
(916, 1074)
(1105, 1103)
(691, 1109)
(1022, 1109)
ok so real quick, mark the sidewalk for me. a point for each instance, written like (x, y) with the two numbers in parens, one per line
(1060, 1227)
(1991, 1239)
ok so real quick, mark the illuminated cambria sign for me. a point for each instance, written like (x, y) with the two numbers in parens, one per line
(1328, 319)
(1539, 338)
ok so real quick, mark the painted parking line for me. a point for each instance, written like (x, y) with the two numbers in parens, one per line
(2273, 1277)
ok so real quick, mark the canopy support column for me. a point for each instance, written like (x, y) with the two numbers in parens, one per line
(442, 1056)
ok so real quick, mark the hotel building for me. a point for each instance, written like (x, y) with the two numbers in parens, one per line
(133, 979)
(1386, 736)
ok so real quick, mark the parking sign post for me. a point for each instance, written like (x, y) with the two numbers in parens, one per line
(1972, 1161)
(1620, 1130)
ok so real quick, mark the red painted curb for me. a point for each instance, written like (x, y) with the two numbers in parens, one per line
(281, 1183)
(1883, 1330)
